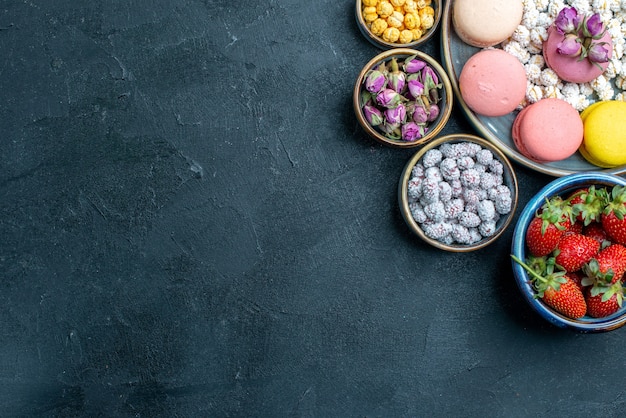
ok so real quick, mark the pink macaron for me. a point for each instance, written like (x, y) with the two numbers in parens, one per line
(492, 82)
(569, 68)
(548, 130)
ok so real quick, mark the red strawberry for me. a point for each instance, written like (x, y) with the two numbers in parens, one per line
(575, 228)
(613, 219)
(548, 226)
(574, 250)
(567, 299)
(557, 290)
(607, 267)
(577, 277)
(604, 301)
(542, 241)
(595, 231)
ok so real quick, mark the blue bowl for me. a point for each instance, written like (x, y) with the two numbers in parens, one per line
(561, 186)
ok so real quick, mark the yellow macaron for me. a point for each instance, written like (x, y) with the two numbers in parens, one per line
(604, 133)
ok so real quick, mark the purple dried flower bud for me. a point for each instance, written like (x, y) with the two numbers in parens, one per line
(373, 116)
(570, 46)
(388, 98)
(416, 88)
(593, 27)
(420, 115)
(413, 65)
(597, 52)
(396, 114)
(391, 130)
(433, 112)
(567, 20)
(366, 96)
(397, 80)
(429, 78)
(412, 131)
(375, 81)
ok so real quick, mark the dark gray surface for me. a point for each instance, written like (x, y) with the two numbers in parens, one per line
(193, 224)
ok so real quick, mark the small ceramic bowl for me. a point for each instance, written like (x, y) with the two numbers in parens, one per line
(445, 94)
(407, 200)
(379, 42)
(561, 186)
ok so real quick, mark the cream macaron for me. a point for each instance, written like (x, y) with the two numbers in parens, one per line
(484, 23)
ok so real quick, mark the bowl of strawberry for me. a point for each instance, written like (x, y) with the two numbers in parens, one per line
(568, 252)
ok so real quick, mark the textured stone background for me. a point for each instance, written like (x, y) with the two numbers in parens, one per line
(192, 223)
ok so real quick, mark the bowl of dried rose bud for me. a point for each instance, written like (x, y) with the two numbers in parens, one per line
(568, 252)
(402, 98)
(458, 193)
(398, 23)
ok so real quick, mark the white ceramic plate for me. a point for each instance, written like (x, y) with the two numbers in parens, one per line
(498, 129)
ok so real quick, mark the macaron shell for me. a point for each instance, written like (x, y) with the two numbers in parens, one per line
(492, 82)
(548, 130)
(516, 134)
(589, 109)
(485, 23)
(583, 150)
(604, 137)
(571, 68)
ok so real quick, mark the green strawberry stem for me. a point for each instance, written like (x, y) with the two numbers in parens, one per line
(529, 269)
(556, 211)
(553, 279)
(617, 202)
